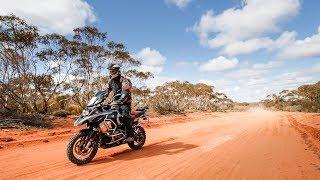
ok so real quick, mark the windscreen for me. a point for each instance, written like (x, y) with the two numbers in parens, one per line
(92, 101)
(97, 98)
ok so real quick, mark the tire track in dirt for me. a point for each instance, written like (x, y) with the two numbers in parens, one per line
(310, 135)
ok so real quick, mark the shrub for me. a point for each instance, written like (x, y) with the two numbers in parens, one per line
(294, 108)
(24, 121)
(36, 120)
(61, 113)
(181, 97)
(74, 109)
(305, 98)
(165, 106)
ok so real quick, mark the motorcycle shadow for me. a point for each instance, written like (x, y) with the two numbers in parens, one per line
(150, 150)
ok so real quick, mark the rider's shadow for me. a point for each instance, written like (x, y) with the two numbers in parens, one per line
(150, 150)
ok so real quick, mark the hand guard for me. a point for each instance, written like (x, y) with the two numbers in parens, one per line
(122, 98)
(115, 103)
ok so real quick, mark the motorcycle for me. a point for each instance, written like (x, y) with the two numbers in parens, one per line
(105, 128)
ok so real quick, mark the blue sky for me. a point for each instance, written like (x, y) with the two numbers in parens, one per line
(244, 48)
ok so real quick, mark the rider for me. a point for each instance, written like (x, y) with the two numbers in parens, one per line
(116, 84)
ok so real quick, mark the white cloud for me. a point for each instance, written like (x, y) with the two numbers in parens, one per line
(236, 88)
(286, 47)
(254, 82)
(298, 49)
(51, 16)
(292, 79)
(246, 47)
(251, 45)
(285, 39)
(255, 18)
(152, 69)
(268, 65)
(243, 30)
(250, 90)
(221, 85)
(152, 60)
(219, 64)
(158, 81)
(207, 82)
(179, 3)
(151, 57)
(247, 72)
(254, 71)
(295, 78)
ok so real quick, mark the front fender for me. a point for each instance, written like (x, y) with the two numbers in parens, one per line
(80, 121)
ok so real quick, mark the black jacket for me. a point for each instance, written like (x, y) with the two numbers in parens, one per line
(121, 84)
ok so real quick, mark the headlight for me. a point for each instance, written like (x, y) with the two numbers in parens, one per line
(85, 112)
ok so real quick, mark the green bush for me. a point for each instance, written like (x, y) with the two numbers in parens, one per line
(61, 113)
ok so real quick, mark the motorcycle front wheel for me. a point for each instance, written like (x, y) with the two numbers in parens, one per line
(81, 149)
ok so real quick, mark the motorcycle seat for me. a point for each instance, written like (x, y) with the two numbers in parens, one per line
(142, 108)
(136, 114)
(139, 111)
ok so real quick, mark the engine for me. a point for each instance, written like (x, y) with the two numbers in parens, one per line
(110, 123)
(105, 126)
(108, 127)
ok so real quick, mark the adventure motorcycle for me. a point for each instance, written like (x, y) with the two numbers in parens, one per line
(105, 129)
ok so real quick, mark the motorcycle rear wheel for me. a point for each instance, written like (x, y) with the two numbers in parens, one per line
(77, 153)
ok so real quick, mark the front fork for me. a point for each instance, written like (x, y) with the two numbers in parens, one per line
(86, 144)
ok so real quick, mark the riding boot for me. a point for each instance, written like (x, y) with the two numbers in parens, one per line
(129, 129)
(126, 109)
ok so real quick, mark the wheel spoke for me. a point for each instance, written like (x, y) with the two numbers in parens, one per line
(79, 152)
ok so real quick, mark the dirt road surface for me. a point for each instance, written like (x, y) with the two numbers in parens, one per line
(242, 145)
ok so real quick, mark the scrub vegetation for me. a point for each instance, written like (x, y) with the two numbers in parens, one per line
(305, 98)
(52, 74)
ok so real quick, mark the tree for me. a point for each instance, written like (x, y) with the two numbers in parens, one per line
(56, 59)
(36, 69)
(93, 53)
(18, 44)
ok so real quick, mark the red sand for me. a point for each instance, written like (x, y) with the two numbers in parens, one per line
(256, 144)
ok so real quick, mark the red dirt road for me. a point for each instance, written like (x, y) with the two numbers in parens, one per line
(244, 145)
